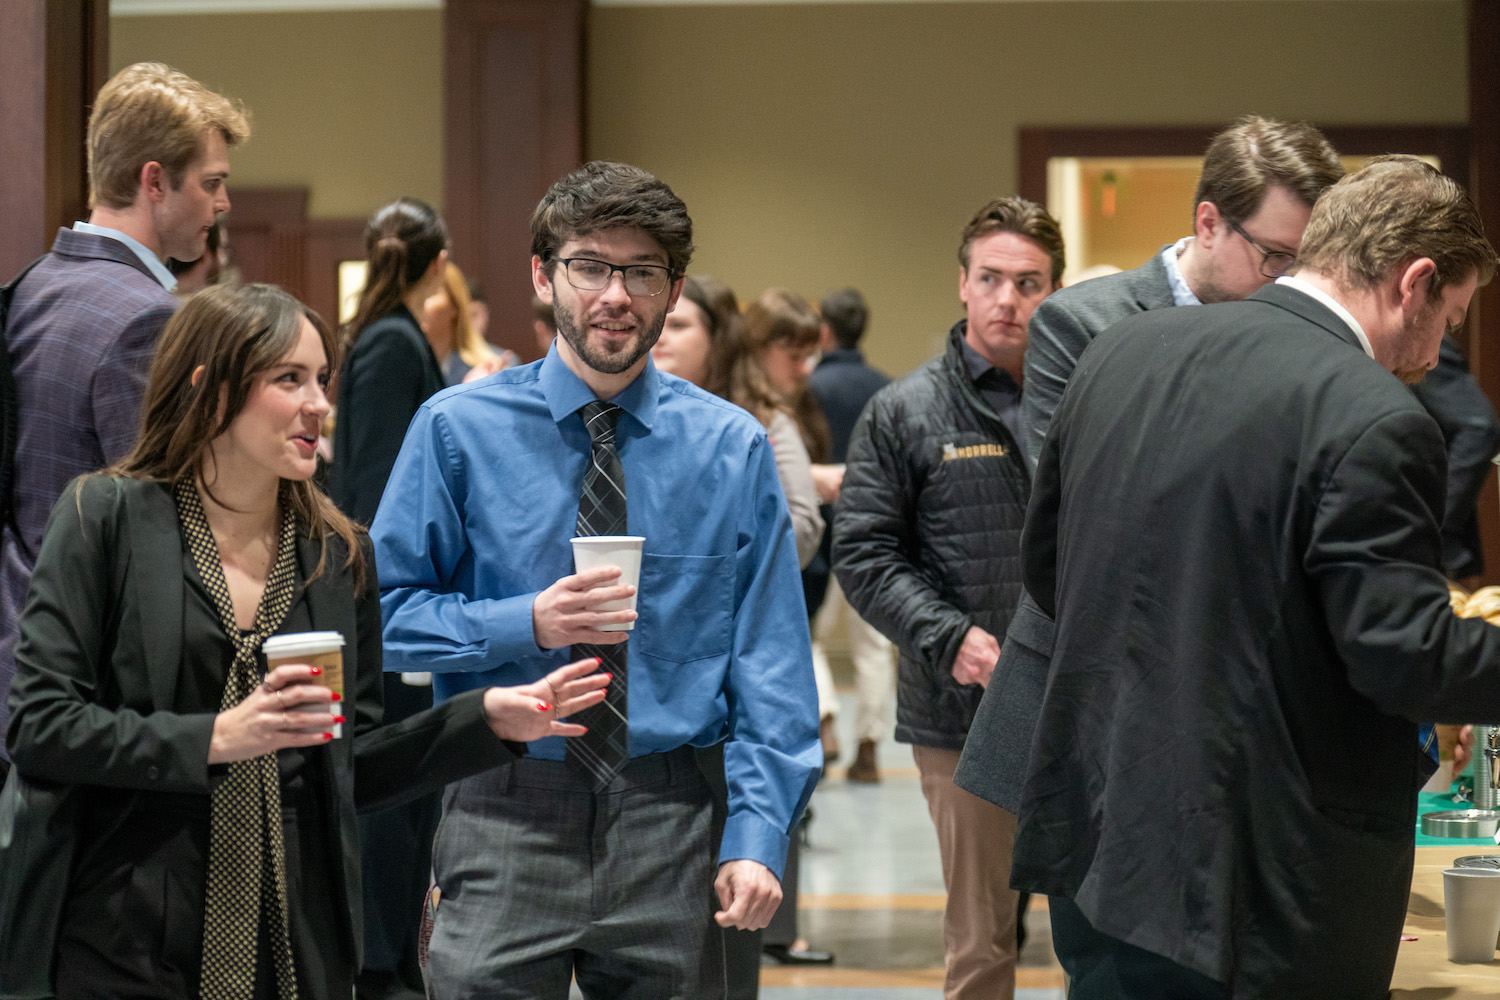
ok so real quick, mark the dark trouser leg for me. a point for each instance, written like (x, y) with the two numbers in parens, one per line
(396, 854)
(1101, 967)
(783, 926)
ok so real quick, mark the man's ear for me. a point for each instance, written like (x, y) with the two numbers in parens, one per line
(154, 182)
(675, 293)
(540, 281)
(1206, 219)
(1414, 284)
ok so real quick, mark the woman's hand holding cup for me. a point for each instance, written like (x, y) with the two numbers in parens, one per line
(286, 709)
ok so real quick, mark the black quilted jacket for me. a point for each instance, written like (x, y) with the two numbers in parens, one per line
(927, 538)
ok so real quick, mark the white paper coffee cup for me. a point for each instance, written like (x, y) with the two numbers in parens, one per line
(624, 551)
(324, 650)
(1471, 906)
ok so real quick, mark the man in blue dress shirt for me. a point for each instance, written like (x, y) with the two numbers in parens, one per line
(544, 873)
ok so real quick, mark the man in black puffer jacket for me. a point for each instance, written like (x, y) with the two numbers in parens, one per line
(927, 548)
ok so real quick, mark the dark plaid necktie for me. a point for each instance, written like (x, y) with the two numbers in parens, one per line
(246, 853)
(600, 753)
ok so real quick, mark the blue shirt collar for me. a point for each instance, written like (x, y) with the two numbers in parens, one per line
(153, 263)
(566, 393)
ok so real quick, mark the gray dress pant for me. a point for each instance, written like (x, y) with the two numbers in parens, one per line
(543, 880)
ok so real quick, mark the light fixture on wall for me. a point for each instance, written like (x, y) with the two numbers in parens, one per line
(1108, 193)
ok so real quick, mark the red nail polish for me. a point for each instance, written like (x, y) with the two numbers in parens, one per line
(316, 671)
(338, 720)
(609, 677)
(542, 706)
(598, 661)
(327, 736)
(337, 696)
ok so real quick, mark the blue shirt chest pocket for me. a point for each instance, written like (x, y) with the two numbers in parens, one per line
(686, 606)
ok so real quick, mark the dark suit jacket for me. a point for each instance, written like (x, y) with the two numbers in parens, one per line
(843, 383)
(1235, 524)
(81, 332)
(92, 710)
(1472, 433)
(995, 757)
(388, 375)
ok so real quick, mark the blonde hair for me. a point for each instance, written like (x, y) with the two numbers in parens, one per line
(151, 112)
(466, 340)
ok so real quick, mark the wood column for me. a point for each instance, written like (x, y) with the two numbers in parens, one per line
(54, 57)
(1484, 183)
(513, 124)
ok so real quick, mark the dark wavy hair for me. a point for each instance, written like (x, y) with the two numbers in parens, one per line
(234, 332)
(604, 195)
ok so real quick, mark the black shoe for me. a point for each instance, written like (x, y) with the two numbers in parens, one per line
(787, 955)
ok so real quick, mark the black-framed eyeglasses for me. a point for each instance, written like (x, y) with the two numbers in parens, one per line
(1273, 263)
(590, 275)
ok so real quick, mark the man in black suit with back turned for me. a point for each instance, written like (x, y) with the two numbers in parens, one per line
(1235, 524)
(1259, 181)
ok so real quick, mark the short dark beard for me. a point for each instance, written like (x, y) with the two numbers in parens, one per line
(605, 364)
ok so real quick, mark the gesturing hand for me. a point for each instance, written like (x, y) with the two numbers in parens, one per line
(267, 719)
(564, 614)
(976, 658)
(530, 711)
(749, 894)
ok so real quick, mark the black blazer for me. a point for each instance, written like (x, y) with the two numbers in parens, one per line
(1234, 523)
(389, 374)
(995, 758)
(97, 661)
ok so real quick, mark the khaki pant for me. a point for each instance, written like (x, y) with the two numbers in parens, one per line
(979, 923)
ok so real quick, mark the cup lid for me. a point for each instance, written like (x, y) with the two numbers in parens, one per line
(607, 539)
(302, 643)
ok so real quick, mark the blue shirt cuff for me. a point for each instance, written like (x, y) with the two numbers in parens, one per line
(749, 837)
(513, 636)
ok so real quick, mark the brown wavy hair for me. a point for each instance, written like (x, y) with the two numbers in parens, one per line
(780, 316)
(401, 242)
(235, 332)
(1389, 213)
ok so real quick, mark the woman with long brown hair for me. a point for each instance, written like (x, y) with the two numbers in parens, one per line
(389, 367)
(181, 822)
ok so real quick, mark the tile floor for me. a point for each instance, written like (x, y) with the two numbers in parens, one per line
(872, 893)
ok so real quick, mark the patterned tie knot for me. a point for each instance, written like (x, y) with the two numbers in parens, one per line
(600, 417)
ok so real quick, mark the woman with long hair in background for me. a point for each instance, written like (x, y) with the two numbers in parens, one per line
(389, 370)
(447, 320)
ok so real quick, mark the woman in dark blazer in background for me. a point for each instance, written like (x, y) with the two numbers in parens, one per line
(389, 371)
(148, 742)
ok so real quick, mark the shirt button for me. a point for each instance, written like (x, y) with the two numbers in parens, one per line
(153, 772)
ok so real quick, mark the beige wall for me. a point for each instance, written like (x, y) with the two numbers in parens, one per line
(348, 104)
(823, 145)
